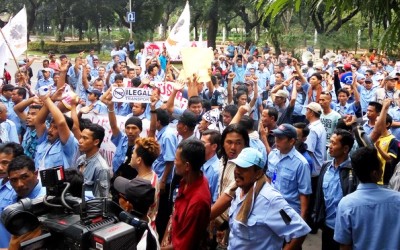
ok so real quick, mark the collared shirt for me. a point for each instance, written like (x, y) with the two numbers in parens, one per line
(211, 171)
(290, 175)
(56, 154)
(332, 190)
(395, 114)
(367, 128)
(8, 132)
(7, 197)
(74, 77)
(239, 73)
(168, 141)
(265, 229)
(191, 214)
(29, 142)
(121, 143)
(316, 144)
(124, 109)
(369, 218)
(347, 109)
(44, 82)
(96, 173)
(366, 96)
(99, 108)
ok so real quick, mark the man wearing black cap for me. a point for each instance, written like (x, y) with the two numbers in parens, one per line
(136, 196)
(367, 94)
(186, 124)
(288, 170)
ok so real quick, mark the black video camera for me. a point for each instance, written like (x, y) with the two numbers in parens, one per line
(69, 222)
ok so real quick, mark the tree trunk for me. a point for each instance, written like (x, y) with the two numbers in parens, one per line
(212, 25)
(31, 13)
(276, 43)
(196, 32)
(370, 32)
(80, 29)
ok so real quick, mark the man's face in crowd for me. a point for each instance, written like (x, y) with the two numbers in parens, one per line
(154, 72)
(239, 62)
(52, 132)
(23, 181)
(314, 81)
(4, 161)
(132, 132)
(196, 108)
(226, 118)
(119, 83)
(242, 100)
(46, 74)
(371, 113)
(233, 144)
(203, 125)
(45, 64)
(124, 71)
(278, 78)
(210, 148)
(284, 144)
(336, 148)
(31, 116)
(7, 94)
(266, 119)
(99, 85)
(245, 177)
(131, 74)
(279, 101)
(95, 63)
(102, 71)
(134, 158)
(137, 109)
(87, 142)
(92, 97)
(181, 167)
(15, 97)
(342, 97)
(391, 84)
(138, 71)
(118, 69)
(325, 101)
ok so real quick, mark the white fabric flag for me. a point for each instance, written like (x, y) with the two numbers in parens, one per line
(16, 33)
(3, 59)
(179, 36)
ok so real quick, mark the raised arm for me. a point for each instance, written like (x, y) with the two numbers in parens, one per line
(381, 121)
(111, 113)
(178, 86)
(20, 107)
(229, 87)
(303, 80)
(255, 96)
(241, 112)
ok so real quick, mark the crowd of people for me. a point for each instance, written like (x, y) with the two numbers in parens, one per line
(267, 151)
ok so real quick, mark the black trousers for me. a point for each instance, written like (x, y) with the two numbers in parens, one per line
(164, 211)
(328, 243)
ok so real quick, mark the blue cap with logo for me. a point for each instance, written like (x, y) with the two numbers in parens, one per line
(249, 157)
(285, 130)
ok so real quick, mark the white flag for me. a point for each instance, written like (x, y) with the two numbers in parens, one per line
(3, 59)
(179, 36)
(16, 33)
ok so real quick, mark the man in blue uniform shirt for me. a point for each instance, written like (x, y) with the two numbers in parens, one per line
(259, 217)
(369, 217)
(288, 170)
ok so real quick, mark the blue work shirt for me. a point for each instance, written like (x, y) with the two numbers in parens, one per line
(265, 229)
(369, 218)
(332, 190)
(239, 73)
(99, 108)
(257, 144)
(51, 155)
(366, 96)
(8, 103)
(395, 114)
(316, 144)
(74, 77)
(121, 143)
(211, 172)
(44, 82)
(290, 175)
(168, 141)
(8, 132)
(7, 197)
(300, 99)
(40, 74)
(124, 109)
(347, 109)
(367, 128)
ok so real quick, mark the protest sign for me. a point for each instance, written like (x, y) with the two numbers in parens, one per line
(126, 94)
(197, 61)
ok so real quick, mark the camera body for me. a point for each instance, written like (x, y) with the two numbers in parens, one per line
(70, 222)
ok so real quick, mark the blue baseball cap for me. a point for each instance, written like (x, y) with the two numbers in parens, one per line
(249, 157)
(285, 130)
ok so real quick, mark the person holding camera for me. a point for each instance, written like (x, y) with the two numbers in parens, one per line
(136, 196)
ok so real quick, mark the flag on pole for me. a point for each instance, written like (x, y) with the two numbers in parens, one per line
(179, 36)
(16, 34)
